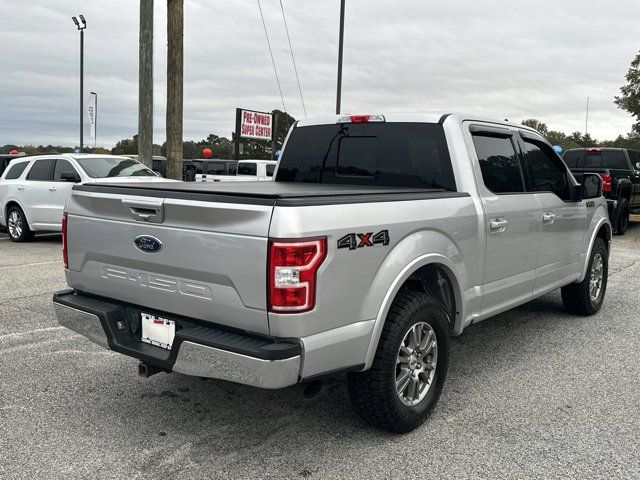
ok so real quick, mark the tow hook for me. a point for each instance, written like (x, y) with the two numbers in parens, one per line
(145, 370)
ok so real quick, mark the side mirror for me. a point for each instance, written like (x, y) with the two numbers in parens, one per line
(70, 177)
(591, 185)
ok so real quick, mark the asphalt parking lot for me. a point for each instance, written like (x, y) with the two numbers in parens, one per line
(532, 393)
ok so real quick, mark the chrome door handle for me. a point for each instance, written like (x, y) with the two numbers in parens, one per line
(498, 225)
(548, 217)
(52, 189)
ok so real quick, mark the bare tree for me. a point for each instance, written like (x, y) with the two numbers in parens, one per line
(175, 73)
(145, 84)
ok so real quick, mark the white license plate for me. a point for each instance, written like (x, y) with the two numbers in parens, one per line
(158, 331)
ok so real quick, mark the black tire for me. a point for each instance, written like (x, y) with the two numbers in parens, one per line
(373, 392)
(576, 297)
(622, 220)
(24, 233)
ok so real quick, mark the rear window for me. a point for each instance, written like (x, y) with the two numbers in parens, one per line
(605, 159)
(15, 170)
(41, 170)
(214, 168)
(247, 169)
(109, 167)
(379, 154)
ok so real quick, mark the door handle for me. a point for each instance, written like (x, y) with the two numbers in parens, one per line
(498, 225)
(21, 188)
(52, 189)
(548, 217)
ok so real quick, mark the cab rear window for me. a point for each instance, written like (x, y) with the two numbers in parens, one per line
(614, 159)
(377, 154)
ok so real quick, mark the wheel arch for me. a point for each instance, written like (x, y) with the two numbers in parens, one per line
(602, 230)
(417, 275)
(14, 203)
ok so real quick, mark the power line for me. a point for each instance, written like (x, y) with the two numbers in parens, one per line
(295, 68)
(271, 53)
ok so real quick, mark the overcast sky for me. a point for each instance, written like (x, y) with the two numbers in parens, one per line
(494, 58)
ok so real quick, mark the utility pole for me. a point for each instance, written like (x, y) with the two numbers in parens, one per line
(145, 84)
(340, 49)
(586, 122)
(175, 73)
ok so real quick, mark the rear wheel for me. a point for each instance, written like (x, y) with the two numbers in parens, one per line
(17, 226)
(408, 372)
(622, 222)
(586, 297)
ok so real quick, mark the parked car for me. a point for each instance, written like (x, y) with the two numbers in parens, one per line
(380, 237)
(6, 158)
(34, 190)
(247, 171)
(620, 172)
(194, 169)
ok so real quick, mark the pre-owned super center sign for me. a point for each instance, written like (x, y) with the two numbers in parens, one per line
(258, 125)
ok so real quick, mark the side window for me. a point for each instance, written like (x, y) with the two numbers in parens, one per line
(233, 168)
(41, 170)
(499, 163)
(15, 170)
(635, 158)
(62, 166)
(247, 169)
(547, 172)
(270, 170)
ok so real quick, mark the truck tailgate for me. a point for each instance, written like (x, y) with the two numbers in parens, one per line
(209, 261)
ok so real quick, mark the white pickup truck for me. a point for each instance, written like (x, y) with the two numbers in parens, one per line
(247, 171)
(380, 237)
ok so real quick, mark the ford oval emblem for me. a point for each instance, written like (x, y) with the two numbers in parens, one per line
(147, 244)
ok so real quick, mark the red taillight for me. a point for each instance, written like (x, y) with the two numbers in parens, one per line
(361, 118)
(293, 265)
(65, 252)
(606, 182)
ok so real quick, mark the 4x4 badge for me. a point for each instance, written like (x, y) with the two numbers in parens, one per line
(360, 240)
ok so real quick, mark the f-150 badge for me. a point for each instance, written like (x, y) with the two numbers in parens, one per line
(360, 240)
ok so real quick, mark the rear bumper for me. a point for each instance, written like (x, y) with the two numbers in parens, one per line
(199, 350)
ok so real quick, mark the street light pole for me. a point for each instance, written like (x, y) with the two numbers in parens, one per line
(82, 24)
(340, 48)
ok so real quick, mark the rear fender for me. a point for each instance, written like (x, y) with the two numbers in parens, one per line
(400, 264)
(599, 220)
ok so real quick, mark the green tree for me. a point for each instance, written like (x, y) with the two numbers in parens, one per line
(536, 125)
(630, 98)
(126, 147)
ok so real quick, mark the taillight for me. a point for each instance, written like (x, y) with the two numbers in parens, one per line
(293, 265)
(606, 182)
(65, 252)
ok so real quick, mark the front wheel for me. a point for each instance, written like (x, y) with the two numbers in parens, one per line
(17, 226)
(586, 297)
(410, 366)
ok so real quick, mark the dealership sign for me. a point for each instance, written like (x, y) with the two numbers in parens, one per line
(256, 125)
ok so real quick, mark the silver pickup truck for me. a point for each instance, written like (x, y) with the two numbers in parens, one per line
(380, 238)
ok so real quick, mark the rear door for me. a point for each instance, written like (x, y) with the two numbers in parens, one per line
(512, 219)
(61, 189)
(563, 221)
(37, 195)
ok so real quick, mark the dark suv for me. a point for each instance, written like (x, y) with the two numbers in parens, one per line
(620, 172)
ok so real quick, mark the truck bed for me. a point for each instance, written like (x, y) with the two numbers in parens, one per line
(271, 193)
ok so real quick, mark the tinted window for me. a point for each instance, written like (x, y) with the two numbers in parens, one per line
(15, 170)
(247, 169)
(41, 170)
(573, 158)
(501, 170)
(634, 157)
(109, 167)
(546, 170)
(614, 159)
(270, 170)
(216, 168)
(233, 168)
(62, 166)
(383, 154)
(160, 166)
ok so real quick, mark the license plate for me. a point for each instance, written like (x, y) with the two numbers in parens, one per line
(158, 331)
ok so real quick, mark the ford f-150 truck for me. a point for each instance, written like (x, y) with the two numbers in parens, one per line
(380, 237)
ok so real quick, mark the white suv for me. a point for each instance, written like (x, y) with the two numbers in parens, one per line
(34, 190)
